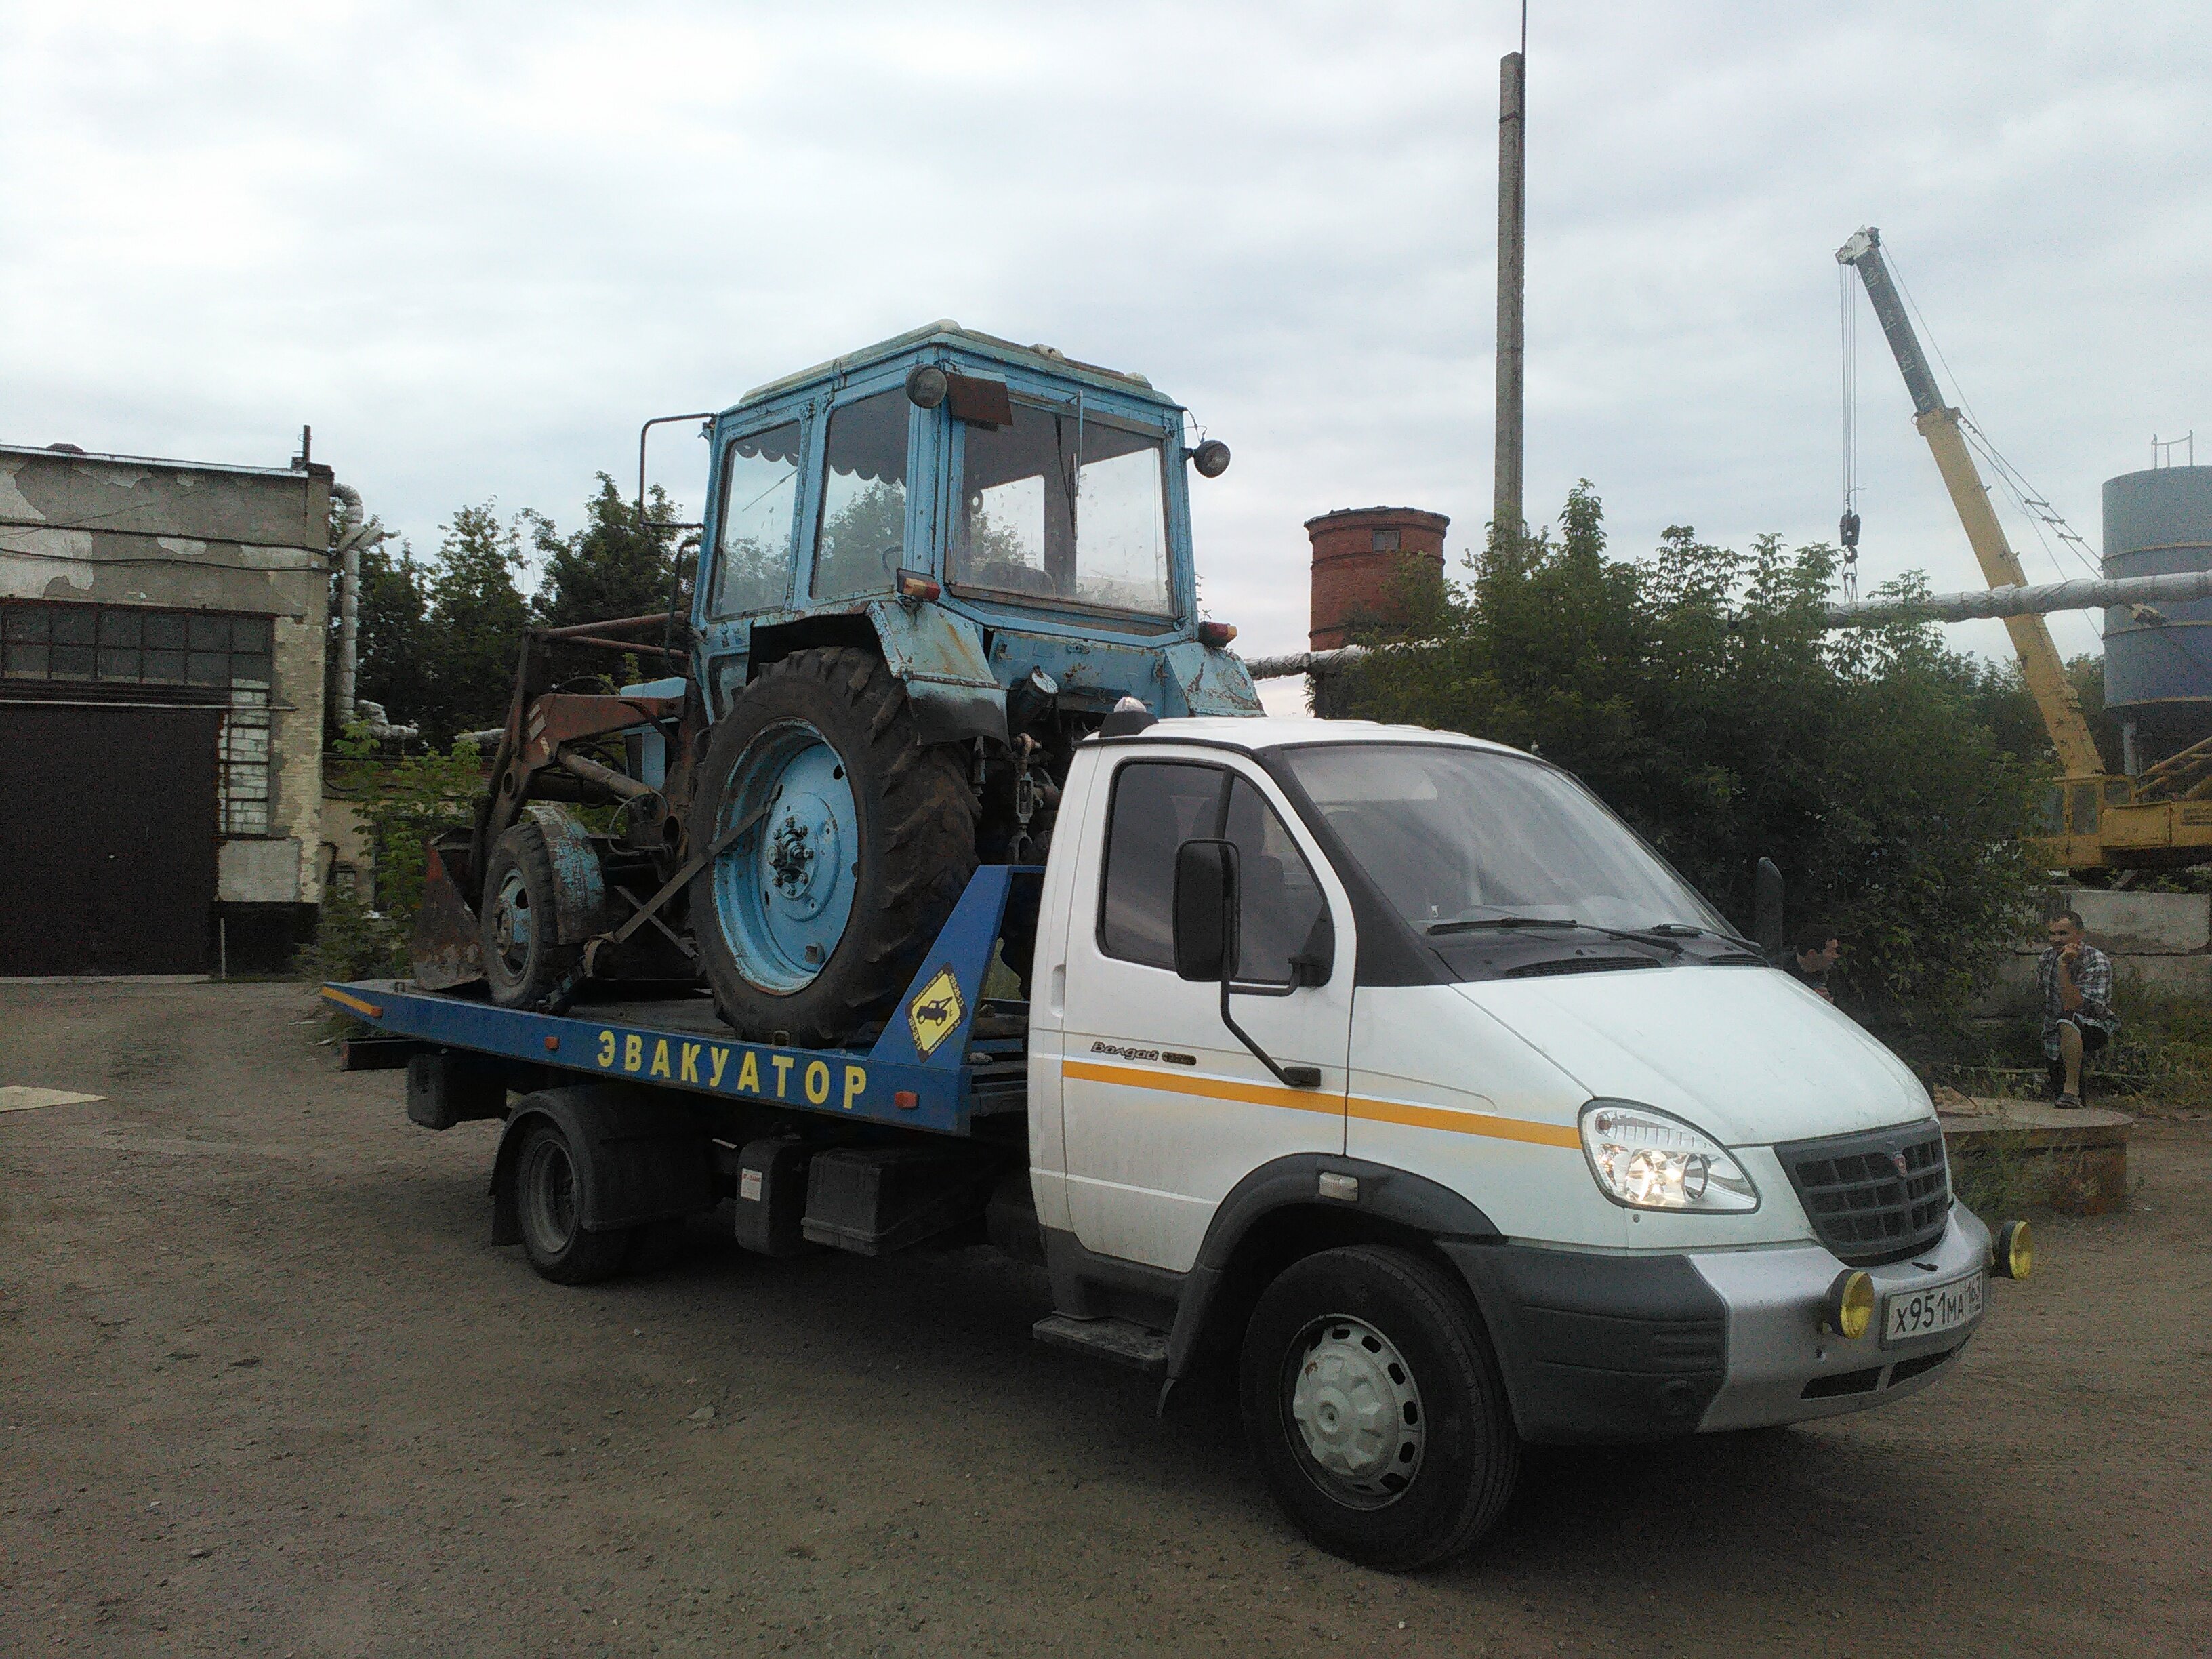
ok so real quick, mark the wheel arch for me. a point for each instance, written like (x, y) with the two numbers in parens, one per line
(1276, 1216)
(639, 1157)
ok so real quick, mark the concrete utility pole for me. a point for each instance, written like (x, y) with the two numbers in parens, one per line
(1512, 217)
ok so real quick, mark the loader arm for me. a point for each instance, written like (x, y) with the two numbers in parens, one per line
(2047, 683)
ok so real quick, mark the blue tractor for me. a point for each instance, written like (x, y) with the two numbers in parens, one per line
(927, 569)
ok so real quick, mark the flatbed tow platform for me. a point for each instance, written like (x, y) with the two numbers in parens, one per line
(946, 1061)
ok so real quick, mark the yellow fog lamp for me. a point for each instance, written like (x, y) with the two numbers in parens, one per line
(2014, 1256)
(1848, 1309)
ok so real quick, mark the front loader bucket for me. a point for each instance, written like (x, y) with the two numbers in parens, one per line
(446, 949)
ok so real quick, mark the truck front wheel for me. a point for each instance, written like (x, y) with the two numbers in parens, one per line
(1374, 1407)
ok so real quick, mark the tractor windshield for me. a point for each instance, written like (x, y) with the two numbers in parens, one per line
(1063, 507)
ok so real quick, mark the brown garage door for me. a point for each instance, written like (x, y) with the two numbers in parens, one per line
(107, 844)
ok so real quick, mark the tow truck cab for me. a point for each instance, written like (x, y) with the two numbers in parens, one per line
(1486, 1023)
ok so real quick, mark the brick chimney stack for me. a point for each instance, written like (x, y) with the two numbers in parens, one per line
(1365, 560)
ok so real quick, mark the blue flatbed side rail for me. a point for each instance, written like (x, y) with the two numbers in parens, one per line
(921, 1073)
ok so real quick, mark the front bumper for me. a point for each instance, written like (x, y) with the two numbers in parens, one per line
(1609, 1347)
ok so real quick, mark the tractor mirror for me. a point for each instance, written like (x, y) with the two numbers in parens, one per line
(979, 402)
(1205, 910)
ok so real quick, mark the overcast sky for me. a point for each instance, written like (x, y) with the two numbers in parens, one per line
(476, 244)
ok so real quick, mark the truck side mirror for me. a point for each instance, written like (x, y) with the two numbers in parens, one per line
(1767, 907)
(1205, 910)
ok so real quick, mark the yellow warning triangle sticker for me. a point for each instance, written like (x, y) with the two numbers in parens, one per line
(935, 1014)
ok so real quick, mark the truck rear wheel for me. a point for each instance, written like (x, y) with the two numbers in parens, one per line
(547, 1206)
(1374, 1407)
(520, 924)
(815, 919)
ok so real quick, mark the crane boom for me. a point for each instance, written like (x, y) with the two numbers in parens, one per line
(2047, 683)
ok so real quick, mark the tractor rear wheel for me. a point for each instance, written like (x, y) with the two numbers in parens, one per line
(860, 840)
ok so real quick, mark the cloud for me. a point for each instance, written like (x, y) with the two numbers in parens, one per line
(477, 246)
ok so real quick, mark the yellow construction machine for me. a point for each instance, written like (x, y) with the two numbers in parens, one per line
(2093, 819)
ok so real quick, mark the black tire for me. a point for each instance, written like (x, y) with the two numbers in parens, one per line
(553, 1237)
(1402, 1390)
(915, 812)
(518, 922)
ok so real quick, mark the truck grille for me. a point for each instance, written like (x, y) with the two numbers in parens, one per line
(1876, 1196)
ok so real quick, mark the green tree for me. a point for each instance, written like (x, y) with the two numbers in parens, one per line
(615, 566)
(474, 630)
(1699, 694)
(394, 637)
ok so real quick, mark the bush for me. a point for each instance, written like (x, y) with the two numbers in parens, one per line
(1699, 695)
(404, 802)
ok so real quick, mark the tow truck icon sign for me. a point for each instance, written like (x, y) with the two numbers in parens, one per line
(935, 1014)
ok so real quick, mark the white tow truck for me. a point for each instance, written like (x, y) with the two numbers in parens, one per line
(1384, 1064)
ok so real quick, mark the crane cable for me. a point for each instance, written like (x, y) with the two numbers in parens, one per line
(1847, 527)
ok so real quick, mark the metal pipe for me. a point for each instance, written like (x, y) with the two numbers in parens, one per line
(2033, 598)
(621, 645)
(1308, 662)
(617, 625)
(356, 532)
(606, 777)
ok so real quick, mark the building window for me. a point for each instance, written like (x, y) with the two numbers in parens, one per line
(134, 645)
(131, 645)
(1387, 541)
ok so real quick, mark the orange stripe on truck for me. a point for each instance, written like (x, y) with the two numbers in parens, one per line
(1403, 1113)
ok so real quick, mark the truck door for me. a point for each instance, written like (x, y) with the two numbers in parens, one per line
(1162, 1109)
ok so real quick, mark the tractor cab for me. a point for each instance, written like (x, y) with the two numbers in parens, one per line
(1006, 526)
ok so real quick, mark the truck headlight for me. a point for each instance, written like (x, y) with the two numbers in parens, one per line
(1647, 1160)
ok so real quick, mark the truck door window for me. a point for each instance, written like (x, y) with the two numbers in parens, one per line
(1063, 509)
(760, 498)
(1157, 806)
(862, 539)
(1282, 910)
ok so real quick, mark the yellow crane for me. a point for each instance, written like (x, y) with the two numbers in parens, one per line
(2093, 819)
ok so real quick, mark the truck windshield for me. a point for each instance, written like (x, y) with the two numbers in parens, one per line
(1064, 508)
(1470, 839)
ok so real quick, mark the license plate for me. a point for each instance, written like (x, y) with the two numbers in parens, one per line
(1932, 1310)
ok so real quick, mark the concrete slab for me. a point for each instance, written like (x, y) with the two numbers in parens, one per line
(2076, 1161)
(21, 1097)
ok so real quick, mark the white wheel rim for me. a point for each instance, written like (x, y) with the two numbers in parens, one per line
(1356, 1408)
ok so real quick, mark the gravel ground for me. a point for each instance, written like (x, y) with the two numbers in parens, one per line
(265, 1386)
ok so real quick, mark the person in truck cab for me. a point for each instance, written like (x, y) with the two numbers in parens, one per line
(2078, 1021)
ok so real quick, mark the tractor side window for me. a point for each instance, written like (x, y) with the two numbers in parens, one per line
(1063, 509)
(862, 540)
(760, 500)
(1157, 806)
(1281, 910)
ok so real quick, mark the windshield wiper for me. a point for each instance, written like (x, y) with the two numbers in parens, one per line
(1470, 924)
(1665, 940)
(1691, 929)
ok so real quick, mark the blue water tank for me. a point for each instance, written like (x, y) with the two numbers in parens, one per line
(2158, 673)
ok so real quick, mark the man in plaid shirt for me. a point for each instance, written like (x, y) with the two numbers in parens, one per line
(2078, 1020)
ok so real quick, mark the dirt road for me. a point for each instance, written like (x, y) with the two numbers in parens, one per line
(265, 1387)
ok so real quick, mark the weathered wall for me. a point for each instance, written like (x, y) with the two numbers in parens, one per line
(182, 536)
(2161, 939)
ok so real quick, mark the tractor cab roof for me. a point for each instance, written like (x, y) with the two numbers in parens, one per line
(921, 343)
